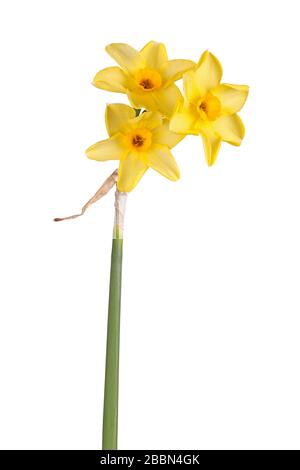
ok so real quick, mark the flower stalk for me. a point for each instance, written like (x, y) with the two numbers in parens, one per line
(111, 387)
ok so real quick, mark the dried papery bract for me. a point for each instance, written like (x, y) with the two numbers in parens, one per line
(108, 184)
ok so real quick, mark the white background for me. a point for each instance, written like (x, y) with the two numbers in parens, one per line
(211, 306)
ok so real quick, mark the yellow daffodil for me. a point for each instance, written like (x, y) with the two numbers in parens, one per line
(139, 143)
(146, 76)
(209, 108)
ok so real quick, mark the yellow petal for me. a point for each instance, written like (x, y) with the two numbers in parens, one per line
(149, 120)
(230, 129)
(112, 79)
(208, 73)
(185, 120)
(155, 55)
(126, 56)
(190, 87)
(164, 136)
(164, 100)
(211, 143)
(167, 99)
(160, 159)
(110, 149)
(141, 100)
(117, 116)
(131, 169)
(175, 69)
(232, 97)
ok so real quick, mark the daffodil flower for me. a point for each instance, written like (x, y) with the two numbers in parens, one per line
(139, 143)
(146, 76)
(209, 108)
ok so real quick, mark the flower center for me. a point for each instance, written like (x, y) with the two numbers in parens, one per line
(148, 79)
(209, 107)
(139, 139)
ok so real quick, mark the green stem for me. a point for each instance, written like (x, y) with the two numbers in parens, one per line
(111, 388)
